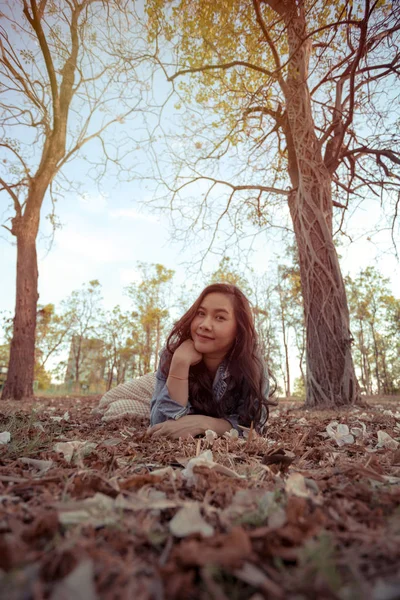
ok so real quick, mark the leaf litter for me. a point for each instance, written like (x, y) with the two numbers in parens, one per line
(99, 510)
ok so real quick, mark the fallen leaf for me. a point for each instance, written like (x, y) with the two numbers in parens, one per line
(65, 417)
(386, 441)
(38, 425)
(78, 585)
(5, 437)
(232, 434)
(340, 433)
(205, 459)
(210, 436)
(229, 550)
(41, 465)
(188, 520)
(295, 485)
(75, 449)
(253, 575)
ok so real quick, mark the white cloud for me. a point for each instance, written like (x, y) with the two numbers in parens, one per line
(90, 246)
(132, 213)
(93, 203)
(129, 275)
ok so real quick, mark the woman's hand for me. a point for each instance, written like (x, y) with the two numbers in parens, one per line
(189, 425)
(187, 353)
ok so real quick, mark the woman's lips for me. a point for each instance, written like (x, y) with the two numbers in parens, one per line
(204, 337)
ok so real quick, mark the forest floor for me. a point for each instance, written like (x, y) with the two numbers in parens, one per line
(98, 510)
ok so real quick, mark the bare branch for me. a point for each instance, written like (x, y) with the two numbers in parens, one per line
(223, 66)
(13, 195)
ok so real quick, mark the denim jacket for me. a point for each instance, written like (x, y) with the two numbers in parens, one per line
(163, 407)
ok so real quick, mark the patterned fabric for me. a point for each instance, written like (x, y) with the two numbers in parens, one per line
(131, 398)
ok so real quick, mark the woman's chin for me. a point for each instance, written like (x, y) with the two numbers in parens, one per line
(198, 346)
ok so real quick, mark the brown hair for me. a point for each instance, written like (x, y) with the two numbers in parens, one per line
(245, 363)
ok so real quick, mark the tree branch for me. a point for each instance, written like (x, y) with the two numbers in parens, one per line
(17, 205)
(261, 22)
(37, 27)
(223, 66)
(237, 188)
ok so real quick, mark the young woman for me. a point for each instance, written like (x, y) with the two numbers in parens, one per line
(211, 375)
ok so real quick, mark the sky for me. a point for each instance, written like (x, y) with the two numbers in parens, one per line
(103, 236)
(106, 230)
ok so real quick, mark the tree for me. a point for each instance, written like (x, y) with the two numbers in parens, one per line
(120, 346)
(52, 333)
(226, 273)
(283, 91)
(63, 84)
(263, 297)
(291, 312)
(84, 308)
(151, 298)
(375, 325)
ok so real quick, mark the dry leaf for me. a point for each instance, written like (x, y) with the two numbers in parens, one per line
(5, 437)
(386, 441)
(41, 465)
(210, 436)
(78, 585)
(205, 459)
(188, 520)
(295, 485)
(340, 433)
(75, 449)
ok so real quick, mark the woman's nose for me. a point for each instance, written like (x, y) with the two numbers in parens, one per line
(206, 323)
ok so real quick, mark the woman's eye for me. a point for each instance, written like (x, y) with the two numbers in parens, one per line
(221, 318)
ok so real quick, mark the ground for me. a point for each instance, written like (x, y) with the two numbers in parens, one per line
(308, 511)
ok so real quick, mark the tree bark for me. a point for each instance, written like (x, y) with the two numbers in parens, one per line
(19, 384)
(331, 380)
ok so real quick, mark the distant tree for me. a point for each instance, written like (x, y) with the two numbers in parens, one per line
(63, 85)
(264, 310)
(375, 325)
(290, 107)
(84, 307)
(299, 390)
(151, 299)
(227, 273)
(52, 333)
(117, 331)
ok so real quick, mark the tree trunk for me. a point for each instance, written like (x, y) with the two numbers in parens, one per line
(157, 350)
(285, 342)
(365, 370)
(377, 375)
(331, 380)
(19, 384)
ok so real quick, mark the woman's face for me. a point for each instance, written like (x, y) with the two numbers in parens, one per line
(213, 329)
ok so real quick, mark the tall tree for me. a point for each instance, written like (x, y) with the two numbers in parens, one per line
(296, 100)
(63, 84)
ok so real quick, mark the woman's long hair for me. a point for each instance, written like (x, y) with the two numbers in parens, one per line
(245, 364)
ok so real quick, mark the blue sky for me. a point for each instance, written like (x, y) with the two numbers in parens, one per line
(103, 236)
(107, 229)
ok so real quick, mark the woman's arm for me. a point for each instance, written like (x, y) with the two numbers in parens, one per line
(178, 377)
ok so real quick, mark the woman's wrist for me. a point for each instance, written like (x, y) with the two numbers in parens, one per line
(179, 366)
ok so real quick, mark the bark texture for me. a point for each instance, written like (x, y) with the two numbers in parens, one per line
(331, 379)
(22, 352)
